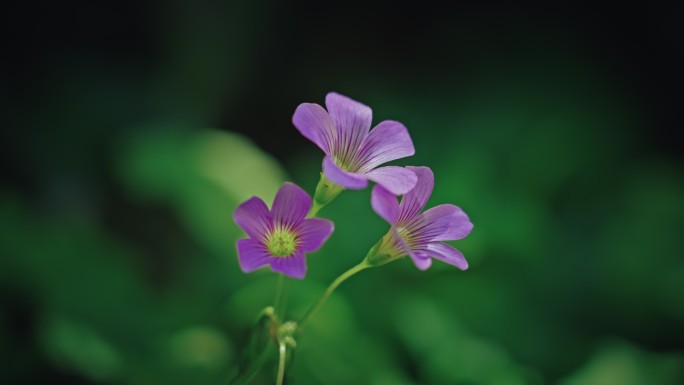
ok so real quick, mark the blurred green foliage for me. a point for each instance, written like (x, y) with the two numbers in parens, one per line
(118, 261)
(548, 291)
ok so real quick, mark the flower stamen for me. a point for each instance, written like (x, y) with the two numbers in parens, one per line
(281, 242)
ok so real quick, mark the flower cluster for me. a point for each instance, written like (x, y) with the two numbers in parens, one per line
(354, 155)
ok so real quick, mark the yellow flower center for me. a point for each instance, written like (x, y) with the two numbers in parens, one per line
(281, 242)
(340, 162)
(405, 233)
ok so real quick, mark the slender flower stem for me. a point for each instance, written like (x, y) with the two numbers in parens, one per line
(315, 207)
(279, 301)
(282, 349)
(343, 277)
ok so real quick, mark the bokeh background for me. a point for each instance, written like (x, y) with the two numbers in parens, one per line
(133, 129)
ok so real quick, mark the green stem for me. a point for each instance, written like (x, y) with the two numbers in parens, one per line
(279, 301)
(315, 207)
(282, 349)
(343, 277)
(248, 375)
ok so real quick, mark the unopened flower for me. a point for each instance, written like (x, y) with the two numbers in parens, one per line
(353, 154)
(418, 235)
(281, 236)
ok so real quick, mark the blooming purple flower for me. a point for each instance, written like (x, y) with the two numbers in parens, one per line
(281, 236)
(419, 235)
(353, 154)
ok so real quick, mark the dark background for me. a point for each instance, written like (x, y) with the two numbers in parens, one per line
(553, 126)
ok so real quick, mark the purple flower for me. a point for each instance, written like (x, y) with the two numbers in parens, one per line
(281, 236)
(353, 154)
(419, 235)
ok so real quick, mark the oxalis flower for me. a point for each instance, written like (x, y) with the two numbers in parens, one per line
(280, 237)
(353, 154)
(418, 235)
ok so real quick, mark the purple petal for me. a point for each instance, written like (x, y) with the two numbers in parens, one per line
(252, 254)
(253, 217)
(415, 200)
(397, 180)
(399, 243)
(291, 205)
(314, 122)
(432, 224)
(459, 225)
(353, 120)
(446, 253)
(343, 178)
(385, 204)
(422, 262)
(313, 233)
(293, 266)
(388, 141)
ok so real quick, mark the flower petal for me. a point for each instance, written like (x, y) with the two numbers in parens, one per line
(415, 200)
(291, 205)
(352, 119)
(445, 253)
(388, 141)
(385, 204)
(252, 254)
(432, 224)
(312, 233)
(343, 178)
(399, 244)
(253, 217)
(459, 225)
(293, 266)
(314, 122)
(422, 262)
(397, 180)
